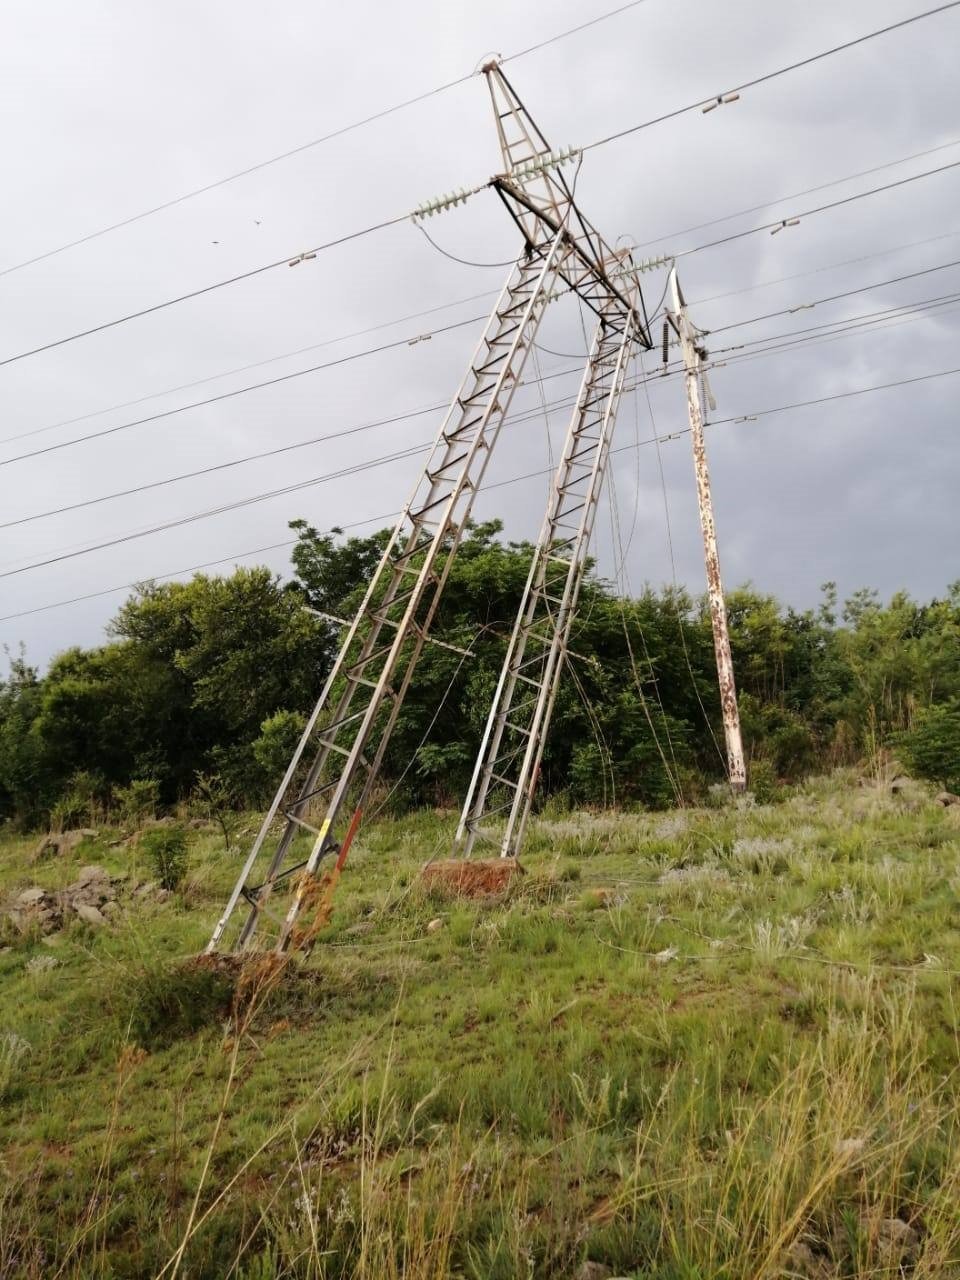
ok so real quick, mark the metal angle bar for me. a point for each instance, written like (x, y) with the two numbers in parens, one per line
(292, 817)
(504, 781)
(593, 265)
(517, 728)
(309, 795)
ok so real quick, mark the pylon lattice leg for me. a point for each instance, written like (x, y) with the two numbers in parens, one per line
(505, 775)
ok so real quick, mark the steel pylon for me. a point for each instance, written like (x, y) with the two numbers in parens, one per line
(343, 745)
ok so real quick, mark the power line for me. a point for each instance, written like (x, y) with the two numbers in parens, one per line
(884, 321)
(590, 146)
(822, 208)
(220, 466)
(464, 262)
(244, 368)
(307, 146)
(175, 573)
(414, 315)
(796, 195)
(829, 266)
(572, 31)
(209, 288)
(771, 75)
(415, 449)
(840, 328)
(251, 500)
(835, 297)
(267, 453)
(260, 497)
(839, 395)
(241, 391)
(229, 395)
(794, 338)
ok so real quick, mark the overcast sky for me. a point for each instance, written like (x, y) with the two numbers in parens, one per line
(113, 108)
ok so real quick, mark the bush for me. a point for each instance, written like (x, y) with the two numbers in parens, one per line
(279, 735)
(762, 781)
(932, 748)
(166, 847)
(79, 805)
(138, 802)
(214, 799)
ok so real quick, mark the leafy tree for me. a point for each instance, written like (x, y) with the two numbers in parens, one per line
(26, 787)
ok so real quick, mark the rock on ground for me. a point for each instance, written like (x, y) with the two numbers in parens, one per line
(60, 844)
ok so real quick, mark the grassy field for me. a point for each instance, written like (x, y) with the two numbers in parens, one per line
(709, 1043)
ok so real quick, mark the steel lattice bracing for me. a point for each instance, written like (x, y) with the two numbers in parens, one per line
(505, 775)
(343, 745)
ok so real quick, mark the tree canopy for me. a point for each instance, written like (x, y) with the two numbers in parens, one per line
(214, 677)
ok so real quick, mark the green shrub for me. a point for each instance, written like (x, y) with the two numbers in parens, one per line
(213, 798)
(931, 749)
(166, 847)
(279, 735)
(762, 781)
(79, 805)
(138, 802)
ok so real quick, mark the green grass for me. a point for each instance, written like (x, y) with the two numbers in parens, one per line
(713, 1043)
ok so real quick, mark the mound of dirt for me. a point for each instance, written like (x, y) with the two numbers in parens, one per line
(476, 878)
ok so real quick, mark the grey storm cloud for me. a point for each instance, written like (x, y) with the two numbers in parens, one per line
(113, 109)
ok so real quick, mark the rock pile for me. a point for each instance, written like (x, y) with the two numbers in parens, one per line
(92, 897)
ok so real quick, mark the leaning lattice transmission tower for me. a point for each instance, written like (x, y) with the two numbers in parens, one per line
(339, 755)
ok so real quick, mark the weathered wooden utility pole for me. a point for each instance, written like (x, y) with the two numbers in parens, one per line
(693, 354)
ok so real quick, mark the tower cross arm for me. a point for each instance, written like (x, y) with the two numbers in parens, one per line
(594, 272)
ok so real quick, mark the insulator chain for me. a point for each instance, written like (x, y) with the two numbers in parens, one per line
(529, 169)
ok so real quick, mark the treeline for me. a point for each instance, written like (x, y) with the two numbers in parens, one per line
(204, 686)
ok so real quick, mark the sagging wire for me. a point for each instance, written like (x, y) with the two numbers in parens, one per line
(673, 775)
(606, 755)
(436, 715)
(673, 562)
(538, 377)
(464, 262)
